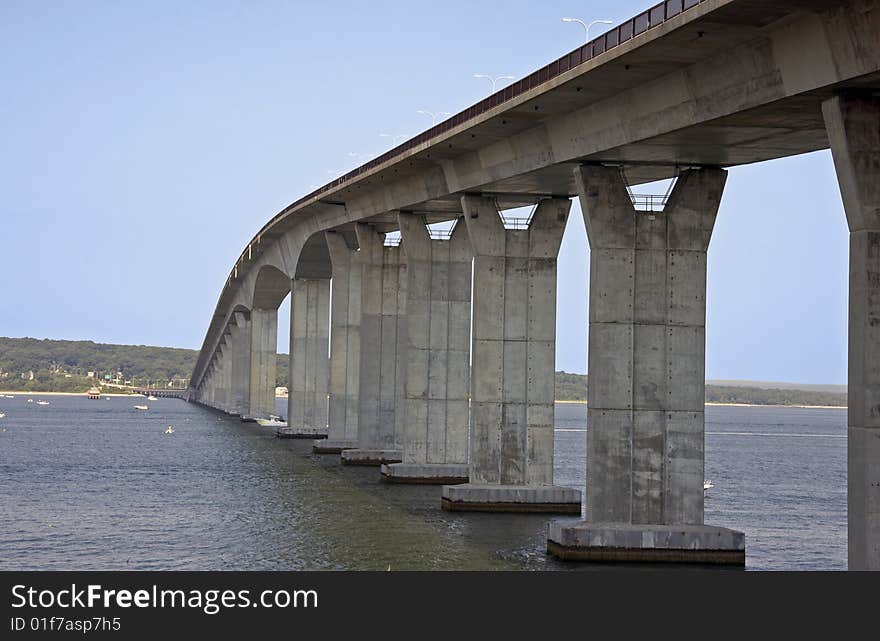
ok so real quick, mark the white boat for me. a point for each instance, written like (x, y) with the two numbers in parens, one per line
(141, 407)
(169, 430)
(8, 396)
(42, 402)
(30, 400)
(2, 415)
(152, 398)
(271, 422)
(707, 484)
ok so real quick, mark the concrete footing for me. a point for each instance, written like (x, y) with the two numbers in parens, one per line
(471, 497)
(426, 473)
(370, 457)
(624, 542)
(301, 432)
(332, 446)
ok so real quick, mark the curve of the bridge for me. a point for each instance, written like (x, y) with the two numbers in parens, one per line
(687, 83)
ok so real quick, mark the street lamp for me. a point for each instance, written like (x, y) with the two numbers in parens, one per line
(433, 116)
(587, 26)
(493, 79)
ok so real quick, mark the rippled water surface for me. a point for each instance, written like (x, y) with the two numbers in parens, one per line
(98, 485)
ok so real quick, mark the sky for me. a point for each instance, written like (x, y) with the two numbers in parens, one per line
(143, 144)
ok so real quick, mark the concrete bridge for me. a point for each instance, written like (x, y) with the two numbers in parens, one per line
(682, 91)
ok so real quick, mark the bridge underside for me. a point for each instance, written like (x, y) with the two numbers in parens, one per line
(722, 84)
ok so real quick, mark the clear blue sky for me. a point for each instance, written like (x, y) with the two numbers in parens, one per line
(142, 144)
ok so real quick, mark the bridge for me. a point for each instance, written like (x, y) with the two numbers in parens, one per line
(162, 392)
(685, 90)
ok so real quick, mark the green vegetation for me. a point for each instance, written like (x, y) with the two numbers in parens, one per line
(62, 366)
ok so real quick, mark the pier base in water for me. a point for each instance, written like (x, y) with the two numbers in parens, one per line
(548, 499)
(300, 432)
(332, 446)
(371, 457)
(426, 473)
(622, 542)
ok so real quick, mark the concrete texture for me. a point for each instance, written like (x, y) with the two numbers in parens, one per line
(426, 473)
(309, 360)
(264, 345)
(853, 125)
(470, 497)
(383, 348)
(345, 339)
(373, 457)
(619, 542)
(645, 444)
(438, 313)
(301, 432)
(332, 446)
(241, 364)
(513, 351)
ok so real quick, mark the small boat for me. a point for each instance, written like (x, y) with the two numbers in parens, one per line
(271, 422)
(141, 407)
(30, 400)
(707, 484)
(152, 398)
(8, 396)
(2, 415)
(169, 430)
(42, 402)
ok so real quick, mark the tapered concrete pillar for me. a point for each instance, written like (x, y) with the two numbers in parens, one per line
(646, 388)
(222, 392)
(513, 358)
(438, 311)
(383, 352)
(345, 347)
(853, 125)
(309, 361)
(264, 346)
(240, 339)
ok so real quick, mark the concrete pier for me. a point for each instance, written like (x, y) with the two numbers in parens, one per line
(513, 351)
(345, 347)
(264, 346)
(646, 392)
(241, 364)
(853, 125)
(309, 361)
(383, 335)
(438, 311)
(221, 392)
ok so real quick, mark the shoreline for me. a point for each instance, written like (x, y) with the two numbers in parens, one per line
(31, 394)
(713, 404)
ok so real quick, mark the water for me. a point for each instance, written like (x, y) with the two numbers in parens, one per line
(97, 485)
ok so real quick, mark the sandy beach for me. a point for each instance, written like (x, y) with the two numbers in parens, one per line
(30, 394)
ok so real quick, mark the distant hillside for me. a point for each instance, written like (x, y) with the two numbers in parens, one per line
(31, 364)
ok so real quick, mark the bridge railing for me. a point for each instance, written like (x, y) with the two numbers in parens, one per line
(653, 17)
(649, 202)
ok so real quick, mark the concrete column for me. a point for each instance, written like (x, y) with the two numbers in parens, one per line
(513, 361)
(853, 125)
(309, 362)
(221, 393)
(241, 363)
(264, 346)
(383, 351)
(438, 311)
(646, 388)
(345, 347)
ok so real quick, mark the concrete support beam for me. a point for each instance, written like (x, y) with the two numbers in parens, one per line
(222, 393)
(345, 347)
(853, 125)
(264, 346)
(309, 360)
(513, 362)
(438, 312)
(646, 393)
(241, 363)
(383, 351)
